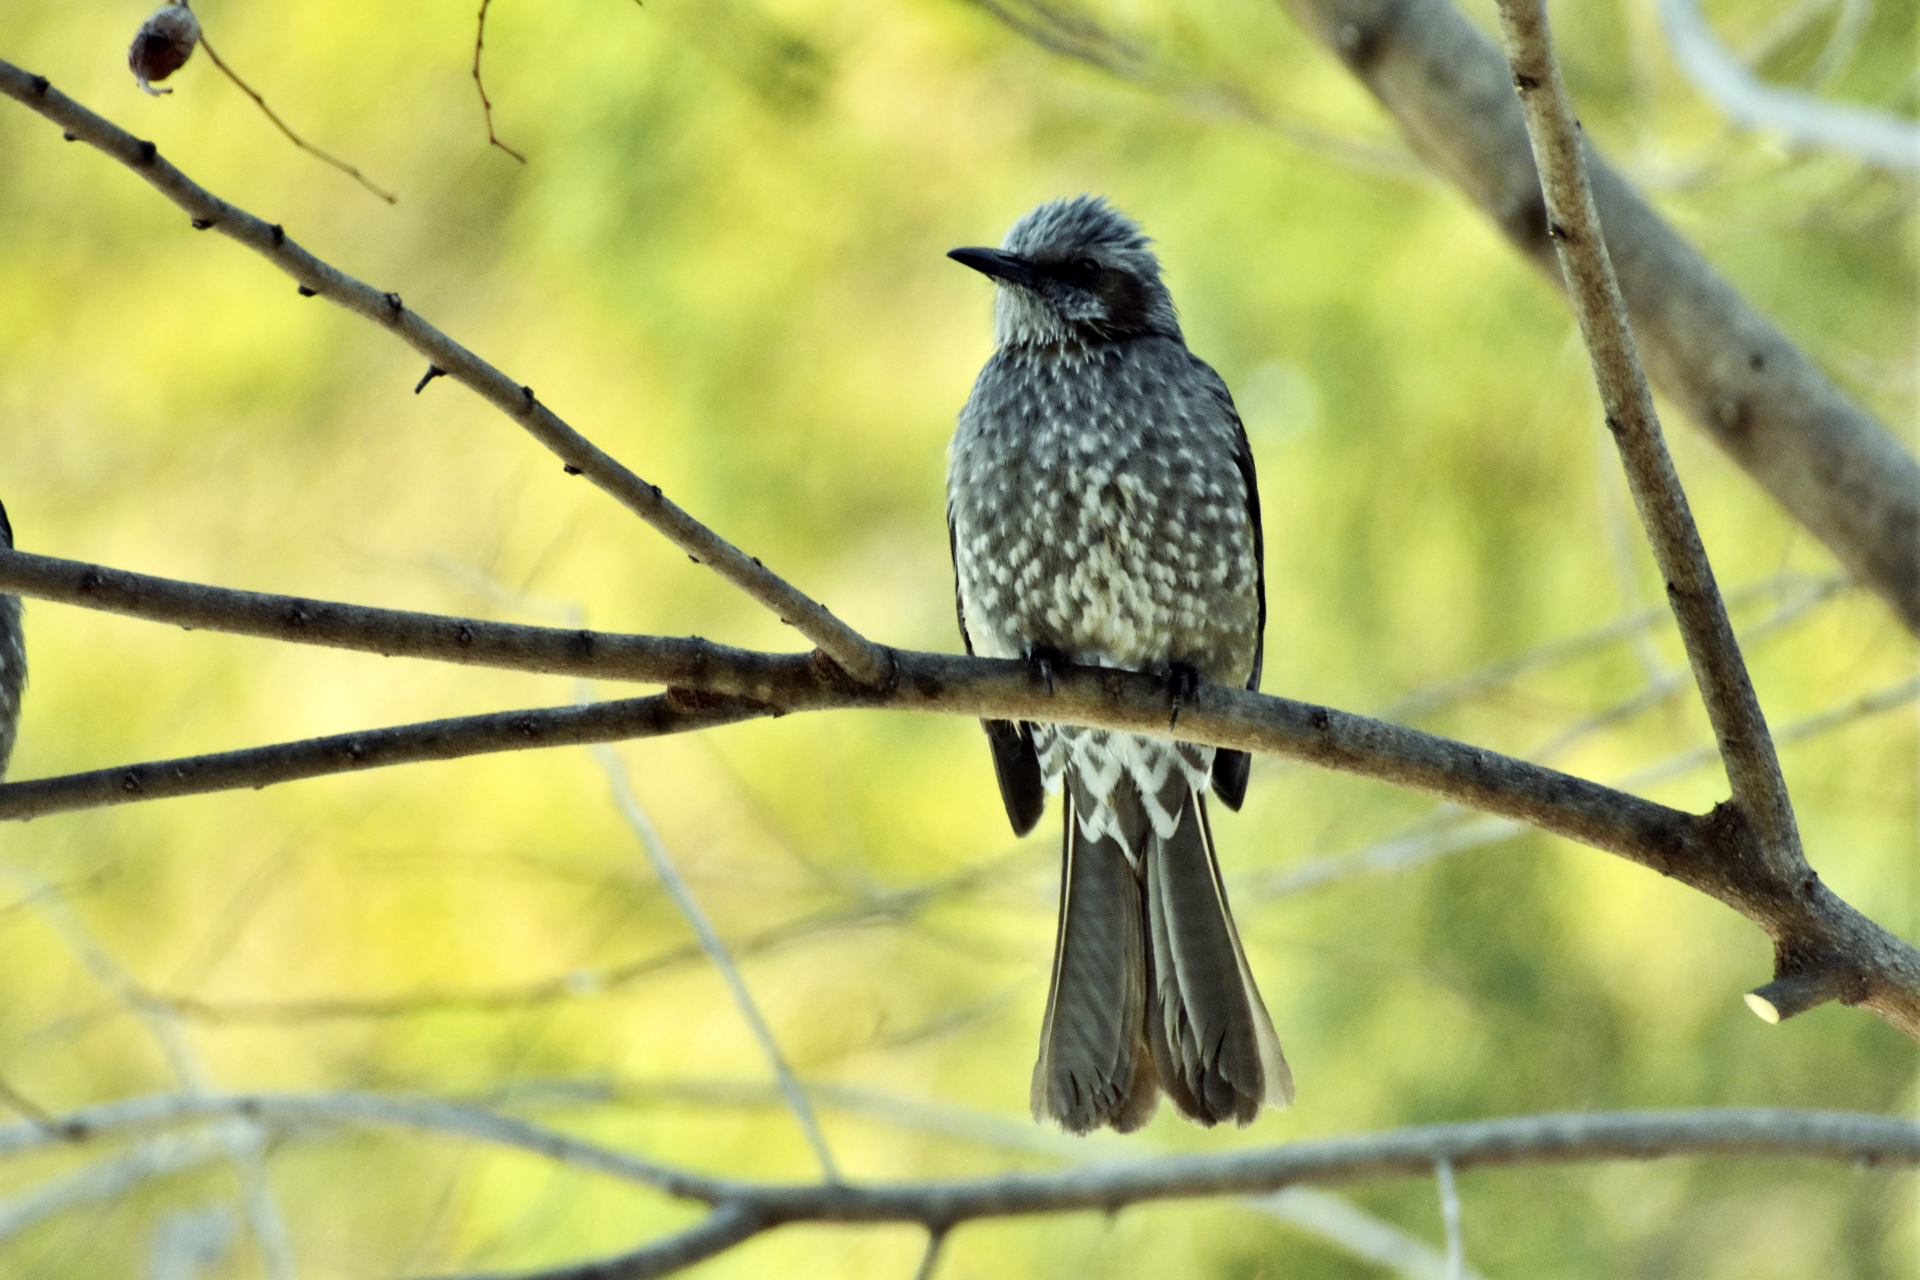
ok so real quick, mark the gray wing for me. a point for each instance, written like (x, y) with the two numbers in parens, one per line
(1016, 763)
(1230, 768)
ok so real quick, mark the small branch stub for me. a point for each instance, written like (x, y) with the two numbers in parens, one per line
(1784, 997)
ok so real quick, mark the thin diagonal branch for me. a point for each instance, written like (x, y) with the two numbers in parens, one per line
(293, 137)
(450, 739)
(486, 107)
(1753, 770)
(716, 950)
(860, 657)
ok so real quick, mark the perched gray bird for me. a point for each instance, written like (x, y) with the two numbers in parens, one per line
(1101, 510)
(13, 660)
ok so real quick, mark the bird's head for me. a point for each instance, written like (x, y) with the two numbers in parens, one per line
(1074, 271)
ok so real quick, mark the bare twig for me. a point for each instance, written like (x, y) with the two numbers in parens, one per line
(486, 107)
(1835, 469)
(242, 1141)
(1759, 790)
(1450, 1217)
(112, 1178)
(860, 657)
(930, 1260)
(716, 950)
(1753, 769)
(293, 137)
(378, 748)
(743, 1209)
(1352, 1230)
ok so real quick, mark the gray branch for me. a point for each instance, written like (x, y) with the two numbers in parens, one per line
(1810, 973)
(1718, 853)
(1834, 468)
(446, 357)
(742, 1209)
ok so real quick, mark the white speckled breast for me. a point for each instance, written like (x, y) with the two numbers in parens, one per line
(1098, 511)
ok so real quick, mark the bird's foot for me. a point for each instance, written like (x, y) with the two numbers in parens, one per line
(1042, 658)
(1183, 683)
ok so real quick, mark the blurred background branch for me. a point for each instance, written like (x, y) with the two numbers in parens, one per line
(1804, 119)
(743, 1209)
(1839, 472)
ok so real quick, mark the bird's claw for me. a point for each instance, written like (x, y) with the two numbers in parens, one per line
(1043, 660)
(1183, 683)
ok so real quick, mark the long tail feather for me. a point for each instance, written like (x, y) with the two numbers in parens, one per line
(1095, 1068)
(1212, 1041)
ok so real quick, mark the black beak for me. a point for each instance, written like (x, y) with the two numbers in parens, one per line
(996, 263)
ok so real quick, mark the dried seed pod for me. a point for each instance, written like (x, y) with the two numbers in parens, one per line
(162, 46)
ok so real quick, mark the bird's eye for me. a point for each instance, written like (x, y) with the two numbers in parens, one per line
(1083, 272)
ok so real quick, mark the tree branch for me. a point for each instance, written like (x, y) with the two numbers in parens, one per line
(1718, 853)
(859, 656)
(1753, 768)
(451, 739)
(1834, 468)
(667, 872)
(1852, 1137)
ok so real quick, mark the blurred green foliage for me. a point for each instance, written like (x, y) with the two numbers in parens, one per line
(723, 262)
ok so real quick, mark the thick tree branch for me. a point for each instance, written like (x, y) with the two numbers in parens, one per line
(1718, 853)
(865, 660)
(1833, 467)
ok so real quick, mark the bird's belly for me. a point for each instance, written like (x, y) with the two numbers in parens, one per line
(1112, 592)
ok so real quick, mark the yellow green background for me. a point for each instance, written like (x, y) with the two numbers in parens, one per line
(723, 262)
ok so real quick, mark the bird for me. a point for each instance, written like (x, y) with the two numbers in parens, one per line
(13, 659)
(1102, 510)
